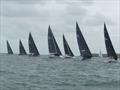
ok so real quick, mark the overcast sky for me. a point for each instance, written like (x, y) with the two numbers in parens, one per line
(19, 17)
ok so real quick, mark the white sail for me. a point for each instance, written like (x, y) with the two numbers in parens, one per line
(100, 54)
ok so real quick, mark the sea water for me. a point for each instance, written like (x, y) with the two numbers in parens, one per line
(44, 73)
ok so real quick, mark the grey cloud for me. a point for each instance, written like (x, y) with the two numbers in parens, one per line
(87, 2)
(97, 20)
(42, 2)
(76, 11)
(76, 2)
(17, 10)
(73, 14)
(21, 17)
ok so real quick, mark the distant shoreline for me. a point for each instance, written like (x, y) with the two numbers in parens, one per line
(104, 55)
(94, 54)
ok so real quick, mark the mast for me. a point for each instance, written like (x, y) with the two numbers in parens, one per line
(32, 47)
(67, 49)
(9, 48)
(83, 47)
(52, 44)
(109, 47)
(21, 49)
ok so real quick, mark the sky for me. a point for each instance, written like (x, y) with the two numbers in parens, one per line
(19, 17)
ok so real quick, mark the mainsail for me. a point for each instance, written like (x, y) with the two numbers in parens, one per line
(109, 47)
(67, 49)
(9, 48)
(83, 47)
(32, 47)
(21, 49)
(52, 44)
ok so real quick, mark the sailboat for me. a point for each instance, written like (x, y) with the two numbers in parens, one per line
(52, 44)
(32, 47)
(21, 49)
(83, 47)
(100, 54)
(109, 47)
(67, 49)
(9, 48)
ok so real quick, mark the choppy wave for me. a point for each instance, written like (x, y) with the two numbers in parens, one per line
(42, 73)
(97, 83)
